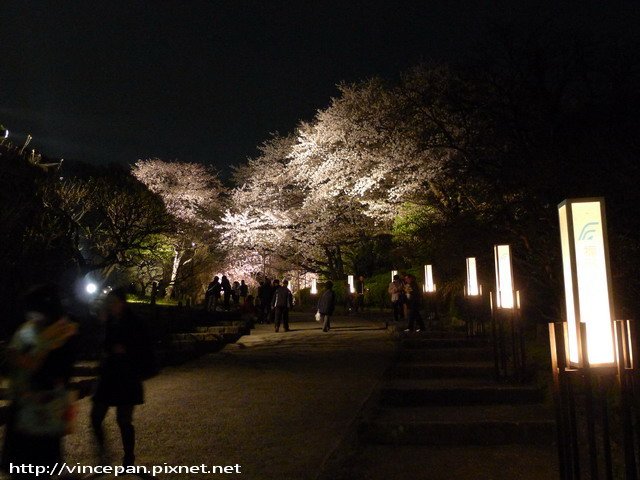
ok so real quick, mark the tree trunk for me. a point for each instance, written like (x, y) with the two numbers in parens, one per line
(339, 263)
(177, 258)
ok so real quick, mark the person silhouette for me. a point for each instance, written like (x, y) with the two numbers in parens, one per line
(121, 372)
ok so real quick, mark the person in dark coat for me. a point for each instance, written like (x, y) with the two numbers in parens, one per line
(212, 296)
(226, 291)
(40, 357)
(266, 295)
(120, 381)
(413, 303)
(244, 291)
(235, 294)
(282, 302)
(326, 306)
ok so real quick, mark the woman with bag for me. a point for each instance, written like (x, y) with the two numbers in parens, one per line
(41, 356)
(326, 306)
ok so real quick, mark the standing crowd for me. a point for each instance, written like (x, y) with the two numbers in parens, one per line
(221, 294)
(271, 305)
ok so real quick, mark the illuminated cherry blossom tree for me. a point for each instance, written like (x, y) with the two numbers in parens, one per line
(192, 194)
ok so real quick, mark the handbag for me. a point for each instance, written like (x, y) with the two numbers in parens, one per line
(318, 316)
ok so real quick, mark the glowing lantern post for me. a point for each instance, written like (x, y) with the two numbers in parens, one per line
(314, 286)
(587, 280)
(352, 287)
(504, 277)
(505, 313)
(473, 312)
(472, 288)
(429, 286)
(592, 338)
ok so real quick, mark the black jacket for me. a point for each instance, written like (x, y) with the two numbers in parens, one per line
(327, 302)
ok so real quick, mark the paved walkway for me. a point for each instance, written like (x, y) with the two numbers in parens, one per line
(276, 404)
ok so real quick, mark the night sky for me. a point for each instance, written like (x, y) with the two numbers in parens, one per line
(208, 81)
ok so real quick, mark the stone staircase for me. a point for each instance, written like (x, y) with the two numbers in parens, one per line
(442, 415)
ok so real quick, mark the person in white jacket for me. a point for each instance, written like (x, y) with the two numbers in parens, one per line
(396, 291)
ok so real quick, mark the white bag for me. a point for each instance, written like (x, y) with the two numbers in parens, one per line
(318, 316)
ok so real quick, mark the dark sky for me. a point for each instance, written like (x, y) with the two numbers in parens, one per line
(208, 81)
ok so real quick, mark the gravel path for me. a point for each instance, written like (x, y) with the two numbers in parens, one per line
(275, 404)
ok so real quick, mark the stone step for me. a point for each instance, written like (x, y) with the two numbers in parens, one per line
(470, 425)
(239, 329)
(467, 392)
(417, 342)
(426, 334)
(443, 370)
(509, 462)
(194, 337)
(466, 354)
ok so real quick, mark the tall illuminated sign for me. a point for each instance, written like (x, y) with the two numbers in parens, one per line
(429, 286)
(472, 278)
(587, 278)
(352, 286)
(504, 277)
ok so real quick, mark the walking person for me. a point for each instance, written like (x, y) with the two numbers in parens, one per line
(413, 303)
(40, 356)
(326, 306)
(282, 302)
(275, 285)
(126, 346)
(396, 291)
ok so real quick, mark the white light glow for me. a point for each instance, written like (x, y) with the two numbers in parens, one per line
(6, 134)
(91, 288)
(429, 286)
(587, 278)
(352, 287)
(472, 278)
(504, 277)
(314, 286)
(393, 274)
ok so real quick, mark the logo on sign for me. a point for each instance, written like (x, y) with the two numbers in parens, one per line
(588, 231)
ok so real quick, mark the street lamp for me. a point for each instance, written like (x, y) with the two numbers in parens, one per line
(587, 280)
